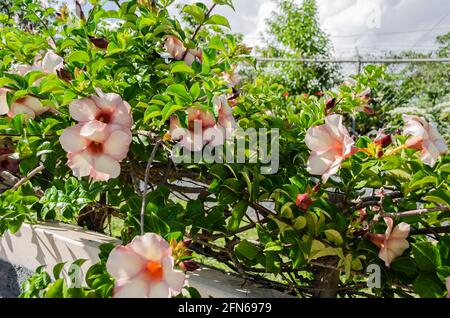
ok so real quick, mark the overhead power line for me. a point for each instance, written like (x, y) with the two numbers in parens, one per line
(390, 61)
(386, 33)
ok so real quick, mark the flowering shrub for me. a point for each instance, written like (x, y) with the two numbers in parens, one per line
(101, 128)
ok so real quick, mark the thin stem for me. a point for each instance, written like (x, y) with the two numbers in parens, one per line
(417, 212)
(33, 172)
(46, 27)
(144, 193)
(197, 30)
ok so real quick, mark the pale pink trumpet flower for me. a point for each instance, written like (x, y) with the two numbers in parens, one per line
(49, 63)
(144, 268)
(330, 145)
(424, 137)
(101, 139)
(202, 128)
(393, 243)
(101, 111)
(95, 152)
(175, 48)
(29, 106)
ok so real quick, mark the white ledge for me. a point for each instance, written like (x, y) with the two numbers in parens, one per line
(51, 243)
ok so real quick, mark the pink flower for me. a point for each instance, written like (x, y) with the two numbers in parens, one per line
(29, 106)
(101, 139)
(393, 243)
(202, 128)
(49, 64)
(4, 109)
(144, 269)
(330, 144)
(175, 48)
(95, 151)
(104, 110)
(425, 137)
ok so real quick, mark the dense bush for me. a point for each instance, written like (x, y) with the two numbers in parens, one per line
(98, 105)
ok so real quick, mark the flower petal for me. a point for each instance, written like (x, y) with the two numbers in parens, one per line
(83, 110)
(107, 101)
(105, 168)
(80, 163)
(387, 256)
(151, 246)
(20, 109)
(123, 264)
(52, 62)
(174, 279)
(318, 139)
(401, 231)
(415, 126)
(159, 290)
(72, 141)
(335, 126)
(122, 115)
(390, 224)
(34, 104)
(95, 130)
(320, 164)
(214, 136)
(4, 108)
(117, 144)
(430, 154)
(137, 287)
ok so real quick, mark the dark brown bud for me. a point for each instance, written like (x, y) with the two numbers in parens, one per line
(384, 140)
(331, 103)
(64, 74)
(101, 43)
(189, 266)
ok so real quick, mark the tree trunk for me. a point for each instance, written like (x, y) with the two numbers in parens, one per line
(326, 279)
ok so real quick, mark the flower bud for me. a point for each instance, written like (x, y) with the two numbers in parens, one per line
(383, 140)
(303, 201)
(64, 74)
(101, 43)
(189, 266)
(331, 103)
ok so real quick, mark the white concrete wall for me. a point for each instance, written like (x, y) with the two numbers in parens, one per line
(53, 243)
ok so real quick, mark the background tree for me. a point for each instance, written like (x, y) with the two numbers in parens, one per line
(293, 31)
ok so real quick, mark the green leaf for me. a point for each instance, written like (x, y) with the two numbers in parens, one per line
(195, 11)
(439, 196)
(182, 67)
(237, 215)
(426, 256)
(334, 237)
(219, 20)
(405, 265)
(247, 249)
(57, 269)
(56, 289)
(428, 285)
(195, 90)
(78, 56)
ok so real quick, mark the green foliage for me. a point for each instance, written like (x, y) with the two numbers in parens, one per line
(247, 220)
(294, 32)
